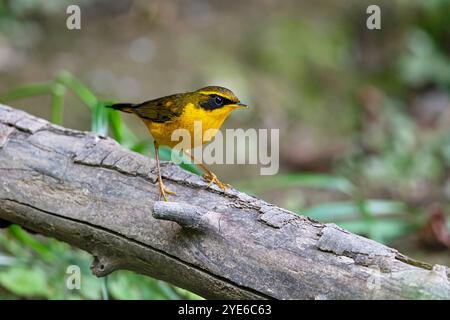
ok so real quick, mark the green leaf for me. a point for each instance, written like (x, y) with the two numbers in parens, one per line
(167, 290)
(91, 286)
(27, 282)
(331, 211)
(187, 294)
(30, 241)
(384, 207)
(350, 209)
(309, 180)
(382, 230)
(131, 286)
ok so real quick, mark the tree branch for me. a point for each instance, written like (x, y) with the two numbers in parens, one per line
(88, 191)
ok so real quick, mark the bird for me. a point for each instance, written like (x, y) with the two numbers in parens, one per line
(209, 105)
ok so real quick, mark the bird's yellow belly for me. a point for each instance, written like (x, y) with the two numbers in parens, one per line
(195, 122)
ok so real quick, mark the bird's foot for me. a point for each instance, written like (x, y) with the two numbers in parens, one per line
(163, 191)
(212, 178)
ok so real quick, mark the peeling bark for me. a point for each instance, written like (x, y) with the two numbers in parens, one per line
(88, 191)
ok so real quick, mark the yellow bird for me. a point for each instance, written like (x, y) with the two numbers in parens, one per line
(209, 105)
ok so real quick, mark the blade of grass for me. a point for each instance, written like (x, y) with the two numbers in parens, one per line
(100, 112)
(116, 125)
(165, 153)
(191, 167)
(143, 147)
(31, 242)
(121, 131)
(99, 122)
(30, 90)
(58, 91)
(105, 291)
(128, 137)
(78, 88)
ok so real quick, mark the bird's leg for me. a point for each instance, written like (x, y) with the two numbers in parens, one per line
(162, 189)
(209, 175)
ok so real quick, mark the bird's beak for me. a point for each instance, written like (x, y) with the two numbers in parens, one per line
(238, 106)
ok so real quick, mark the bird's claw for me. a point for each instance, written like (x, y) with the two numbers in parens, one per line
(212, 178)
(163, 191)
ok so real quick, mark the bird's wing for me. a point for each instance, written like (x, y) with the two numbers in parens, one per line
(160, 110)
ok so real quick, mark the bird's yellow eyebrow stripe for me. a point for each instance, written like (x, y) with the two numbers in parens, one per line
(215, 92)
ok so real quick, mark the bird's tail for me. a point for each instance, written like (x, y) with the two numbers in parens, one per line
(124, 107)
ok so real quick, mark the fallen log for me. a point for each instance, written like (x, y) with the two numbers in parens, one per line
(89, 191)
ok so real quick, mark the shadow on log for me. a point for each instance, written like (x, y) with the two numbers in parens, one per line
(90, 192)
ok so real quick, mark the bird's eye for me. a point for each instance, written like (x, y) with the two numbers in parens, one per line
(218, 100)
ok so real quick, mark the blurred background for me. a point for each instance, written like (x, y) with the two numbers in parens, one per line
(364, 115)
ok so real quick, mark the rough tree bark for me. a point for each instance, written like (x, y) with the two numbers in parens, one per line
(87, 190)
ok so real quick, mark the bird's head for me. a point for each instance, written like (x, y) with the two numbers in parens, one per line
(214, 98)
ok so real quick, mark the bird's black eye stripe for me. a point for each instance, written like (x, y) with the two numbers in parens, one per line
(215, 101)
(219, 100)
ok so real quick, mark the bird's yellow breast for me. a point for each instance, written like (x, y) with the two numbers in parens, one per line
(193, 119)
